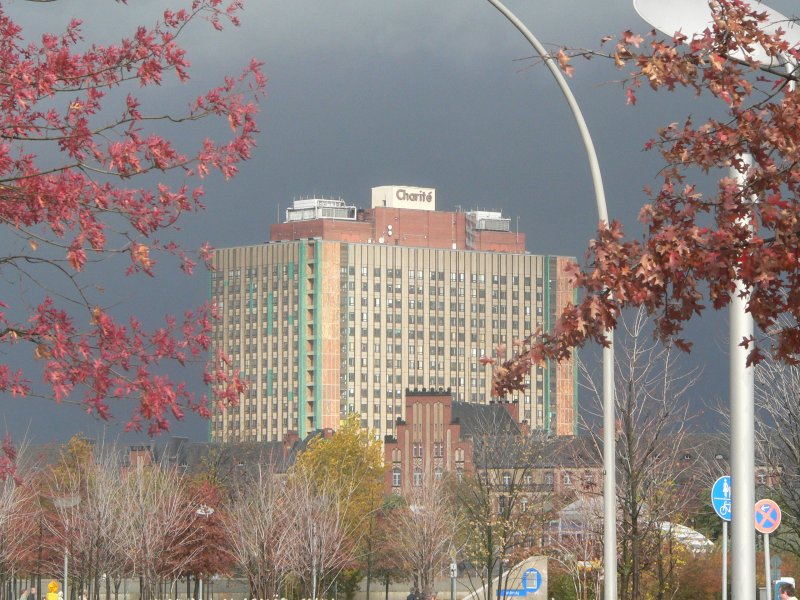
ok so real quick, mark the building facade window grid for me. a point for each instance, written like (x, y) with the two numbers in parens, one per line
(252, 294)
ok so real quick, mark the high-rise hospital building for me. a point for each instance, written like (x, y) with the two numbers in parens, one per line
(345, 308)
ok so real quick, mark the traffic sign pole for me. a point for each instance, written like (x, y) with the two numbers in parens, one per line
(724, 560)
(767, 515)
(766, 562)
(721, 502)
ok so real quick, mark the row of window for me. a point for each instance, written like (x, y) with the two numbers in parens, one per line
(418, 475)
(291, 270)
(436, 275)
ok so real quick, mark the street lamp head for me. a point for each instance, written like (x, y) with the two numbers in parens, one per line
(693, 17)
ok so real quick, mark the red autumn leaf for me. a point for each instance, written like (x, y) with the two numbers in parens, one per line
(695, 245)
(77, 166)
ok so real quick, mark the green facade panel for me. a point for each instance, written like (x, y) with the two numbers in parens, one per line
(317, 335)
(301, 351)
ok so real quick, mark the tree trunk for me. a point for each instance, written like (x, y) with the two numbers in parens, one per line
(499, 579)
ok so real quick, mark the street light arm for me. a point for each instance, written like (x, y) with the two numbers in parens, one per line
(594, 165)
(609, 403)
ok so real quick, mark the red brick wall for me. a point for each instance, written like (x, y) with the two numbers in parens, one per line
(429, 421)
(420, 228)
(327, 229)
(499, 241)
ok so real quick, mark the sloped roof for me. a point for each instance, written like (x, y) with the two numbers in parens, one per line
(482, 419)
(194, 456)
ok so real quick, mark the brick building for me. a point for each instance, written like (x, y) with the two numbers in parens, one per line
(346, 307)
(437, 437)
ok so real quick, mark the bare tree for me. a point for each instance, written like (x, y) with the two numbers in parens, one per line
(157, 517)
(500, 501)
(88, 523)
(19, 508)
(576, 543)
(425, 532)
(778, 443)
(316, 543)
(257, 524)
(652, 409)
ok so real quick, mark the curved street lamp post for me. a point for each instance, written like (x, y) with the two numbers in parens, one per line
(609, 442)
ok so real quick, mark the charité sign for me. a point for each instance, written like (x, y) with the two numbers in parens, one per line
(404, 196)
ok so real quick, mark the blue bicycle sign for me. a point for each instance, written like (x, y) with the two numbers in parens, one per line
(721, 497)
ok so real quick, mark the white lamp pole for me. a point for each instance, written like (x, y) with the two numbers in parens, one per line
(64, 503)
(609, 422)
(692, 17)
(204, 511)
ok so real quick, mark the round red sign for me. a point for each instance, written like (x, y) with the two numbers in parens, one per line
(768, 516)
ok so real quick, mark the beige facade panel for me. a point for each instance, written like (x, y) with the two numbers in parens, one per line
(324, 328)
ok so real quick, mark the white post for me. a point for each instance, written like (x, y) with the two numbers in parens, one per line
(724, 560)
(743, 495)
(200, 588)
(609, 425)
(609, 474)
(66, 573)
(766, 563)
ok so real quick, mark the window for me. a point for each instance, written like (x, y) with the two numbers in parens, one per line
(438, 449)
(417, 450)
(506, 479)
(437, 473)
(417, 476)
(396, 477)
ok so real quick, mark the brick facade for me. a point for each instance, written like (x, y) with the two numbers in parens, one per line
(416, 228)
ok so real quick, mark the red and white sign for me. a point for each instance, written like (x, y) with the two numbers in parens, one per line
(768, 516)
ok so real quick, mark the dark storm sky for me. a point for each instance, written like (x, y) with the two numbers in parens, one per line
(436, 93)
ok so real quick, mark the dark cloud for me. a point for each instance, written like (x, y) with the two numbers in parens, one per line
(441, 94)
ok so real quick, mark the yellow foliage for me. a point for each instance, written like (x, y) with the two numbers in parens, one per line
(349, 465)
